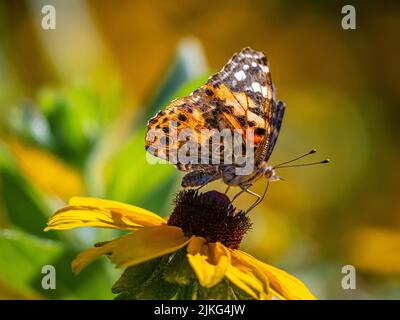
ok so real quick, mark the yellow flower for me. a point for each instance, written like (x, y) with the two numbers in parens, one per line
(206, 224)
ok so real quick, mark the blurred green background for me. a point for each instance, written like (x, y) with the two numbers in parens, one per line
(74, 103)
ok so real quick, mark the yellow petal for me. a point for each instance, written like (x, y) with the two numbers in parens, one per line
(91, 212)
(134, 248)
(209, 261)
(110, 204)
(248, 278)
(44, 170)
(281, 284)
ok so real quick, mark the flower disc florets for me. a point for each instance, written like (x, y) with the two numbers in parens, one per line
(210, 215)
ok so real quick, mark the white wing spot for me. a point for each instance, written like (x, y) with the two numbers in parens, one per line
(240, 75)
(246, 67)
(265, 68)
(254, 64)
(256, 87)
(264, 91)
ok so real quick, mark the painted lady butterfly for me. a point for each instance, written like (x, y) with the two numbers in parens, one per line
(239, 97)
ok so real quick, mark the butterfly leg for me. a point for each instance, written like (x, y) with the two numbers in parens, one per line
(227, 189)
(256, 195)
(259, 200)
(244, 189)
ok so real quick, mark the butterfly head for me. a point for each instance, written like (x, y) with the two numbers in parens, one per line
(269, 173)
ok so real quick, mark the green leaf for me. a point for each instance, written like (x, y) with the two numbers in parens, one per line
(77, 115)
(188, 292)
(28, 121)
(221, 291)
(178, 270)
(145, 281)
(22, 258)
(240, 294)
(157, 289)
(131, 280)
(94, 282)
(24, 206)
(70, 116)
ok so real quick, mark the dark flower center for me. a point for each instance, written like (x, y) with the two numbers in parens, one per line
(210, 215)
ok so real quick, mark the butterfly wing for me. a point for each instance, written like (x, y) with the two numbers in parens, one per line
(240, 96)
(278, 111)
(186, 118)
(246, 89)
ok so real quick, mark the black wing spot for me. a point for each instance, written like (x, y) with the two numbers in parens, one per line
(182, 117)
(257, 111)
(212, 122)
(160, 113)
(241, 120)
(228, 109)
(259, 131)
(209, 92)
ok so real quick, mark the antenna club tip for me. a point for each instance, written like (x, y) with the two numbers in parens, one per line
(326, 161)
(313, 151)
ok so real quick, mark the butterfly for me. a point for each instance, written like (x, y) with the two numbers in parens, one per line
(240, 98)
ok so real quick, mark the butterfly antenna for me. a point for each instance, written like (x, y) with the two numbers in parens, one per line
(295, 159)
(303, 164)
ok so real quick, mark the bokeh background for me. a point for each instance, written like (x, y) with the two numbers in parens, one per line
(74, 102)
